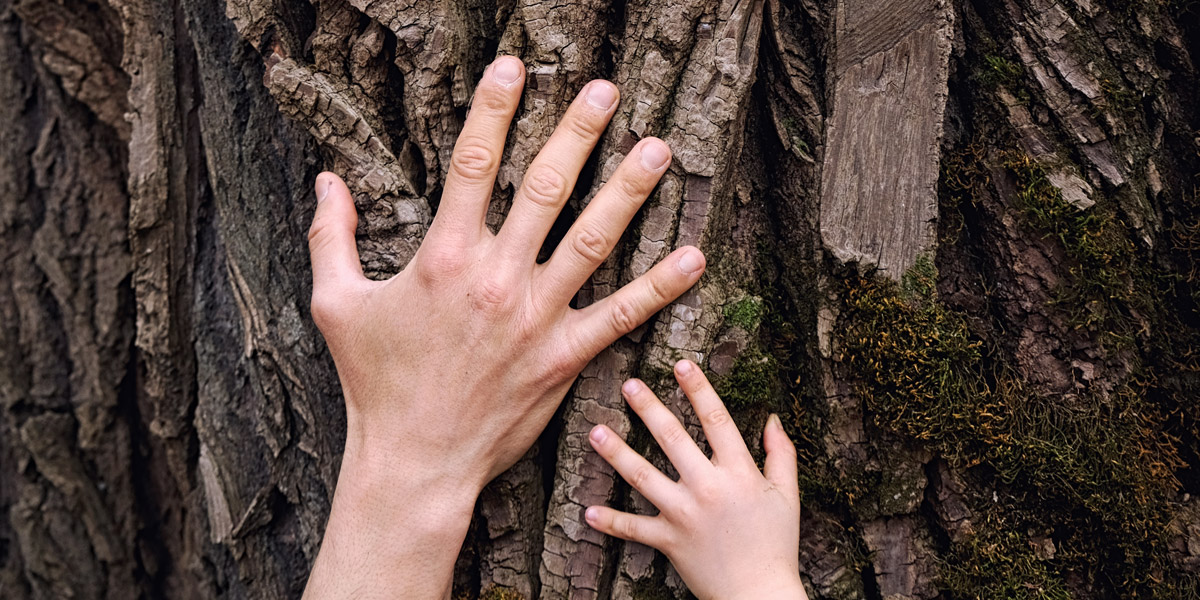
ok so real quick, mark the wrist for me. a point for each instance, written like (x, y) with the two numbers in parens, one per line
(394, 450)
(394, 490)
(389, 511)
(787, 588)
(385, 461)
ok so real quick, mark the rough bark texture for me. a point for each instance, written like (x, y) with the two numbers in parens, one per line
(953, 242)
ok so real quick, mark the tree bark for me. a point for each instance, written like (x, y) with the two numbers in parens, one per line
(953, 243)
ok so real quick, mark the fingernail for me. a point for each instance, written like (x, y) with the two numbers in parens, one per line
(601, 94)
(599, 435)
(655, 155)
(691, 262)
(506, 70)
(591, 514)
(684, 367)
(774, 421)
(631, 387)
(322, 187)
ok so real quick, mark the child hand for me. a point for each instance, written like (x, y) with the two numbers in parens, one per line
(731, 531)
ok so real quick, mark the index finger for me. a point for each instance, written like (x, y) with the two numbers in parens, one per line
(723, 436)
(477, 153)
(674, 440)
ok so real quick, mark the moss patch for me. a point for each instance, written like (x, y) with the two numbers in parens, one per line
(918, 366)
(753, 382)
(746, 313)
(1096, 468)
(1108, 286)
(999, 562)
(997, 70)
(659, 379)
(963, 177)
(496, 592)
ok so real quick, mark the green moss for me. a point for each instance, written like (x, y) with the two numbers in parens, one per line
(917, 364)
(1119, 98)
(799, 145)
(924, 376)
(997, 70)
(919, 283)
(999, 562)
(1107, 287)
(963, 179)
(746, 313)
(753, 382)
(496, 592)
(659, 379)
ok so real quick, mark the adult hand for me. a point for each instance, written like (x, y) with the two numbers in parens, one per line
(452, 368)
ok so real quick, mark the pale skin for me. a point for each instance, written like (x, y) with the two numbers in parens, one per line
(731, 531)
(472, 331)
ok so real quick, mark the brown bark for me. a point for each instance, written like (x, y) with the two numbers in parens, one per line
(953, 243)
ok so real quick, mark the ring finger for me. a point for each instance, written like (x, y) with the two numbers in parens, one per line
(552, 175)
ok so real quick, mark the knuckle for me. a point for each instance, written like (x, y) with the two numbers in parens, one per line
(568, 361)
(668, 543)
(688, 512)
(319, 235)
(658, 294)
(708, 492)
(634, 188)
(717, 417)
(623, 316)
(489, 99)
(586, 127)
(675, 435)
(326, 309)
(544, 187)
(641, 476)
(685, 513)
(526, 327)
(565, 365)
(490, 295)
(591, 244)
(473, 161)
(437, 265)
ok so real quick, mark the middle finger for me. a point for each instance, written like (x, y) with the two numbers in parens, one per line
(552, 175)
(674, 440)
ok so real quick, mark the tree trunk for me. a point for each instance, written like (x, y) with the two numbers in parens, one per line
(953, 243)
